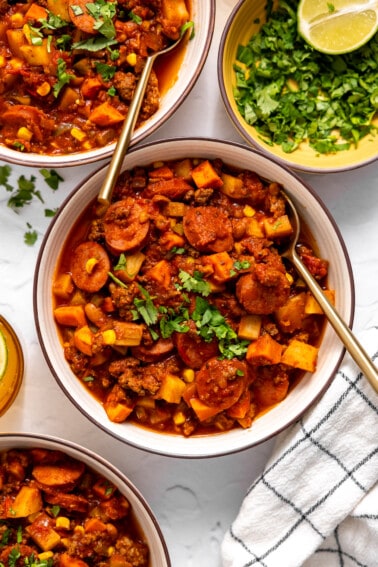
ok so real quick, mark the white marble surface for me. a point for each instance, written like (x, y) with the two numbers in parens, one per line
(194, 501)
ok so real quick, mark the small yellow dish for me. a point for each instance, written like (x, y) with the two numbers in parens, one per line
(244, 21)
(12, 366)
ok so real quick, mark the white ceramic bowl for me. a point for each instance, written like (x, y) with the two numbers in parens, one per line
(141, 510)
(196, 51)
(330, 245)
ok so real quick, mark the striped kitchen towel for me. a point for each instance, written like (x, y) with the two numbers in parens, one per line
(316, 503)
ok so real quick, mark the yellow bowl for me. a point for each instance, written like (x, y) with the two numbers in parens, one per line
(244, 21)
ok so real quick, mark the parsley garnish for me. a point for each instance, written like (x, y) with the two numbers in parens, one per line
(106, 71)
(145, 307)
(30, 236)
(63, 77)
(135, 18)
(173, 322)
(51, 177)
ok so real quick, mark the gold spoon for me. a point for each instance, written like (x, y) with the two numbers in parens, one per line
(345, 334)
(105, 195)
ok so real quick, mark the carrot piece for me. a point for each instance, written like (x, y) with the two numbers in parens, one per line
(204, 175)
(70, 315)
(265, 350)
(202, 410)
(105, 115)
(36, 12)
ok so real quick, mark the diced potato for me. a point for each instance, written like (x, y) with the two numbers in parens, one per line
(265, 350)
(249, 327)
(171, 389)
(43, 535)
(204, 175)
(106, 115)
(278, 228)
(175, 11)
(300, 355)
(133, 263)
(254, 228)
(312, 307)
(184, 169)
(174, 209)
(232, 186)
(16, 39)
(128, 334)
(83, 340)
(36, 55)
(68, 98)
(59, 8)
(290, 316)
(28, 501)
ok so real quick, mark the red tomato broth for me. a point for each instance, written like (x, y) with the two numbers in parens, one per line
(175, 403)
(88, 111)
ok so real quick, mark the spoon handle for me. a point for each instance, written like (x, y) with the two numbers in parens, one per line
(122, 145)
(349, 340)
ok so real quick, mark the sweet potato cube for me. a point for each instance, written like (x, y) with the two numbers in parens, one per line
(28, 501)
(240, 408)
(249, 327)
(202, 410)
(174, 209)
(290, 316)
(83, 340)
(63, 286)
(265, 350)
(312, 307)
(278, 228)
(43, 534)
(128, 334)
(70, 315)
(183, 169)
(160, 273)
(204, 175)
(162, 172)
(300, 355)
(171, 389)
(222, 265)
(36, 12)
(254, 228)
(106, 115)
(66, 560)
(117, 406)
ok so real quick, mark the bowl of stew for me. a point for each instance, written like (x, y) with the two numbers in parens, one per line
(62, 503)
(305, 108)
(172, 321)
(69, 70)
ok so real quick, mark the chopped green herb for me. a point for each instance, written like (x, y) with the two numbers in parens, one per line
(5, 172)
(63, 77)
(107, 72)
(291, 93)
(174, 322)
(51, 177)
(135, 18)
(94, 44)
(194, 283)
(30, 236)
(25, 193)
(50, 213)
(55, 509)
(188, 26)
(145, 307)
(117, 280)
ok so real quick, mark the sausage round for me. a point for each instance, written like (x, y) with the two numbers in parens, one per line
(193, 350)
(208, 229)
(126, 225)
(263, 298)
(90, 266)
(158, 351)
(220, 383)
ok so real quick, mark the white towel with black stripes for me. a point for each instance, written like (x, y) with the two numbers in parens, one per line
(316, 503)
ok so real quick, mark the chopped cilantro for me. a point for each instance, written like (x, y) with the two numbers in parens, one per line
(194, 283)
(145, 307)
(173, 322)
(63, 77)
(291, 93)
(106, 71)
(51, 177)
(30, 236)
(135, 18)
(94, 43)
(5, 172)
(25, 193)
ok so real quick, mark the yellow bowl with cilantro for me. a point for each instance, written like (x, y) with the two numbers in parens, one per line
(313, 112)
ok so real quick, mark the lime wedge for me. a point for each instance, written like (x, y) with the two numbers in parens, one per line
(3, 354)
(338, 26)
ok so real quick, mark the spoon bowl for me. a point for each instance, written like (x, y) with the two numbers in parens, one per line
(350, 342)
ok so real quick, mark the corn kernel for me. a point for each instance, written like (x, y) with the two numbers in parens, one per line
(17, 20)
(109, 337)
(24, 133)
(90, 264)
(65, 541)
(188, 375)
(45, 555)
(44, 89)
(111, 550)
(249, 211)
(16, 63)
(79, 529)
(131, 59)
(78, 134)
(179, 418)
(2, 61)
(63, 522)
(289, 278)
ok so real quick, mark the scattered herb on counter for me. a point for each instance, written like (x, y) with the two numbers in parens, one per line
(26, 192)
(291, 93)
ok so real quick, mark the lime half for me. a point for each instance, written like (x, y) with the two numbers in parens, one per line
(3, 354)
(338, 26)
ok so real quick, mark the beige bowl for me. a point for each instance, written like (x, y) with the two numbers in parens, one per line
(309, 389)
(244, 21)
(140, 509)
(195, 54)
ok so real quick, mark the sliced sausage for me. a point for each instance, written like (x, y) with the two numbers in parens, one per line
(193, 350)
(72, 502)
(265, 294)
(126, 225)
(90, 266)
(158, 351)
(80, 17)
(220, 383)
(208, 229)
(174, 188)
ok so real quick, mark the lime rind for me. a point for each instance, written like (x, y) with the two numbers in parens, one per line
(3, 355)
